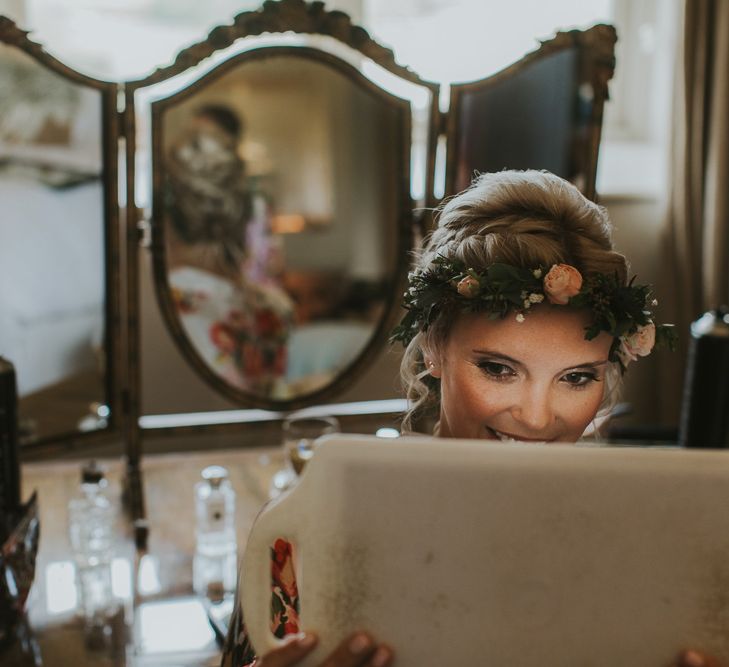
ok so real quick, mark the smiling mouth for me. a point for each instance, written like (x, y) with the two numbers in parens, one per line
(508, 437)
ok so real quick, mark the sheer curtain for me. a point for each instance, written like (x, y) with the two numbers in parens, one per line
(698, 216)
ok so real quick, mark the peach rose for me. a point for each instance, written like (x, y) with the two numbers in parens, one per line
(562, 282)
(638, 344)
(468, 287)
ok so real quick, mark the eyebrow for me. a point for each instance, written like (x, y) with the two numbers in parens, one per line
(506, 357)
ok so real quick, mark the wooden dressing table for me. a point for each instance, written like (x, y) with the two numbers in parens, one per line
(160, 611)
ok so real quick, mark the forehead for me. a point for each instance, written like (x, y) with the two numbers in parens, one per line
(548, 333)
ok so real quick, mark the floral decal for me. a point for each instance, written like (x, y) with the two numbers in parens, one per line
(238, 651)
(284, 594)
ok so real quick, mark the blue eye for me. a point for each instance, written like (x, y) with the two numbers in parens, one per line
(580, 378)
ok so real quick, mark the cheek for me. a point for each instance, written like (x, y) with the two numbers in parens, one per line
(473, 397)
(583, 409)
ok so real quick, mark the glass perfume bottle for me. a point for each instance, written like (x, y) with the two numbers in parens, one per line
(216, 554)
(91, 518)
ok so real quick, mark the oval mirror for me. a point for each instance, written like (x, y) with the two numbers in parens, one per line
(56, 280)
(281, 218)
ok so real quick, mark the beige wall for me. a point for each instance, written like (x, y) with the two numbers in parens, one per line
(639, 235)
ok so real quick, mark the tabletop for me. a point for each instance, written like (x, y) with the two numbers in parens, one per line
(159, 621)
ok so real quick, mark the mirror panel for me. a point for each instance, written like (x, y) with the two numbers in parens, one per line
(544, 112)
(280, 210)
(54, 289)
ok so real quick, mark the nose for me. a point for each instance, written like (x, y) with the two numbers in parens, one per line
(534, 410)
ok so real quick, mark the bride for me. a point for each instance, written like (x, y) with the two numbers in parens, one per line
(519, 323)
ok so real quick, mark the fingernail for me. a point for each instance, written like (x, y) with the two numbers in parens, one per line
(359, 644)
(692, 659)
(381, 657)
(307, 640)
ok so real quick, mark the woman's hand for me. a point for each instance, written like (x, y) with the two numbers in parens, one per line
(696, 659)
(358, 650)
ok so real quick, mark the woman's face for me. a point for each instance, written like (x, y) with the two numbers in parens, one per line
(533, 380)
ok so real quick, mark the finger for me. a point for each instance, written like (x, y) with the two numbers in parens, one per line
(381, 657)
(354, 651)
(291, 652)
(696, 659)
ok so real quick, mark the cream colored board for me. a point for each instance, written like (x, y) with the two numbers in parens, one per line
(469, 552)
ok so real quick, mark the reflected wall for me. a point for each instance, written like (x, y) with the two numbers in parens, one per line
(52, 247)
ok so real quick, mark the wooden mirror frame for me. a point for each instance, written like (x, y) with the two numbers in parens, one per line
(596, 65)
(12, 36)
(281, 17)
(403, 234)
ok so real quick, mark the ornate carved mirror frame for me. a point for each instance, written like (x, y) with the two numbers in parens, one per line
(402, 236)
(330, 38)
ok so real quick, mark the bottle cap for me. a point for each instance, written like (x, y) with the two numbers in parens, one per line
(215, 475)
(91, 473)
(714, 323)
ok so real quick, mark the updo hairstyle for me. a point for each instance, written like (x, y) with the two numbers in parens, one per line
(523, 218)
(207, 200)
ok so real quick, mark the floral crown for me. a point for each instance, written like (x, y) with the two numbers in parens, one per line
(623, 311)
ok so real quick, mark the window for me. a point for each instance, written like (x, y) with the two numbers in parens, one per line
(461, 40)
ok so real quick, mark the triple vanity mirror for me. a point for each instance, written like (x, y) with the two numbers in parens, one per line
(273, 181)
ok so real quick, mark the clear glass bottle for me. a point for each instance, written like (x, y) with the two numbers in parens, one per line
(91, 516)
(216, 554)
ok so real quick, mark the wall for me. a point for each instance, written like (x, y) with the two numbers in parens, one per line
(638, 234)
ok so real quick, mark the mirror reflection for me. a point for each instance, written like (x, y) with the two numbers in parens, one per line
(52, 273)
(278, 187)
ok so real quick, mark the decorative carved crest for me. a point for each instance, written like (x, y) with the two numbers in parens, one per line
(12, 35)
(599, 43)
(597, 56)
(280, 16)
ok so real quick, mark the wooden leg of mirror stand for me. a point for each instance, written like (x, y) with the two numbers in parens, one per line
(134, 502)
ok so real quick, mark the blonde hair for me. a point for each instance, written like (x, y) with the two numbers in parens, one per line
(524, 218)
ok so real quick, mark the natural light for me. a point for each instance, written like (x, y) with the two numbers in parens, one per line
(442, 40)
(430, 36)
